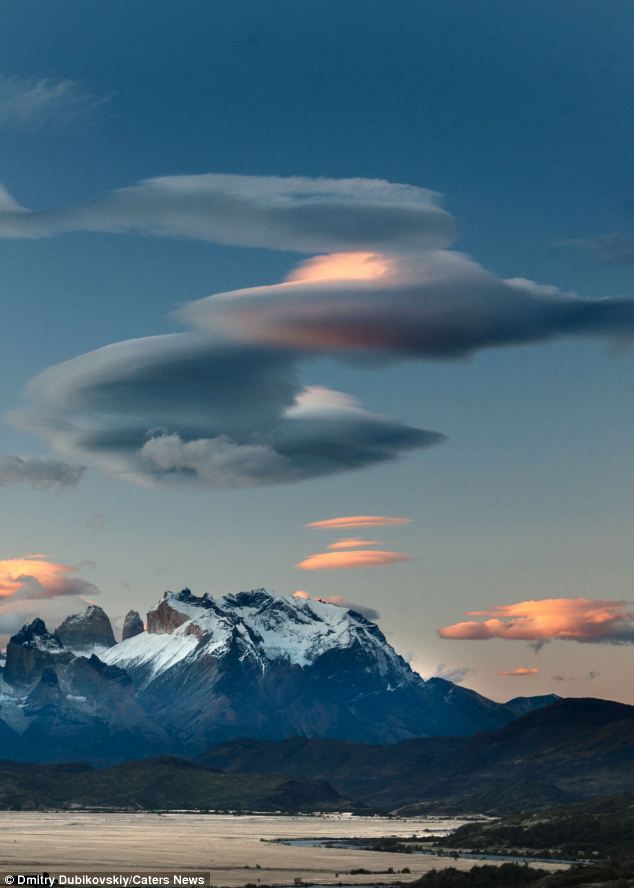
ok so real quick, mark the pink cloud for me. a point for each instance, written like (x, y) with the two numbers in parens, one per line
(34, 576)
(520, 671)
(354, 543)
(573, 619)
(359, 521)
(342, 267)
(359, 558)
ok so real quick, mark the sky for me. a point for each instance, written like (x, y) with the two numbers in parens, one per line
(265, 266)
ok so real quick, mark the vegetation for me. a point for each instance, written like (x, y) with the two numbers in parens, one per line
(164, 783)
(504, 876)
(509, 875)
(595, 829)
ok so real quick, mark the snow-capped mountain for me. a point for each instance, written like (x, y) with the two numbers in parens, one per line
(253, 664)
(264, 627)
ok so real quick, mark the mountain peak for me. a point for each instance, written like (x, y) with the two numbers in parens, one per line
(86, 631)
(132, 625)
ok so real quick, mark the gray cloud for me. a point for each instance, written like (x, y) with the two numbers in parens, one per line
(618, 248)
(31, 102)
(96, 523)
(182, 409)
(456, 674)
(192, 408)
(437, 304)
(591, 675)
(33, 587)
(291, 213)
(38, 471)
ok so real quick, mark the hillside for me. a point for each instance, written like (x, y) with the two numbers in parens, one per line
(571, 750)
(164, 783)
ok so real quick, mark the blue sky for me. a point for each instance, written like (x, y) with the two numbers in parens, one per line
(519, 116)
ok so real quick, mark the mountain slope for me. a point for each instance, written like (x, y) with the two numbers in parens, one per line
(573, 749)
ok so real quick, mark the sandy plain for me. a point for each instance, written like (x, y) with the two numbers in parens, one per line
(224, 845)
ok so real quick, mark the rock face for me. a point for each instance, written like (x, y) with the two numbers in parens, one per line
(30, 652)
(86, 631)
(132, 625)
(58, 706)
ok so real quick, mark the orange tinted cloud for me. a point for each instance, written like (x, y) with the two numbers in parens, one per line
(33, 576)
(359, 558)
(574, 619)
(520, 670)
(353, 543)
(359, 521)
(341, 267)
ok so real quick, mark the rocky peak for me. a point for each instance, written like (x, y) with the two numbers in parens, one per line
(86, 631)
(132, 625)
(32, 650)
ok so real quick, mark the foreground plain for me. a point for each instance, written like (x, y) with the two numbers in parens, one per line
(223, 844)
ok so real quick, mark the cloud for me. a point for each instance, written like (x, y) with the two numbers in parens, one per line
(429, 304)
(33, 576)
(387, 285)
(570, 619)
(38, 471)
(280, 213)
(353, 543)
(96, 523)
(340, 560)
(520, 671)
(11, 622)
(368, 612)
(455, 674)
(182, 409)
(359, 521)
(591, 675)
(222, 405)
(618, 248)
(32, 103)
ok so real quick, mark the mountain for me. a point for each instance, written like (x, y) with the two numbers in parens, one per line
(87, 632)
(571, 750)
(132, 625)
(30, 652)
(207, 670)
(261, 665)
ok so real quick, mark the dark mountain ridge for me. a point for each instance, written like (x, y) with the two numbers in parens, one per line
(572, 749)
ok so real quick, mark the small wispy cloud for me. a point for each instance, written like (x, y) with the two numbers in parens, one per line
(359, 521)
(368, 612)
(38, 471)
(358, 558)
(32, 102)
(617, 248)
(353, 543)
(591, 675)
(520, 671)
(455, 674)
